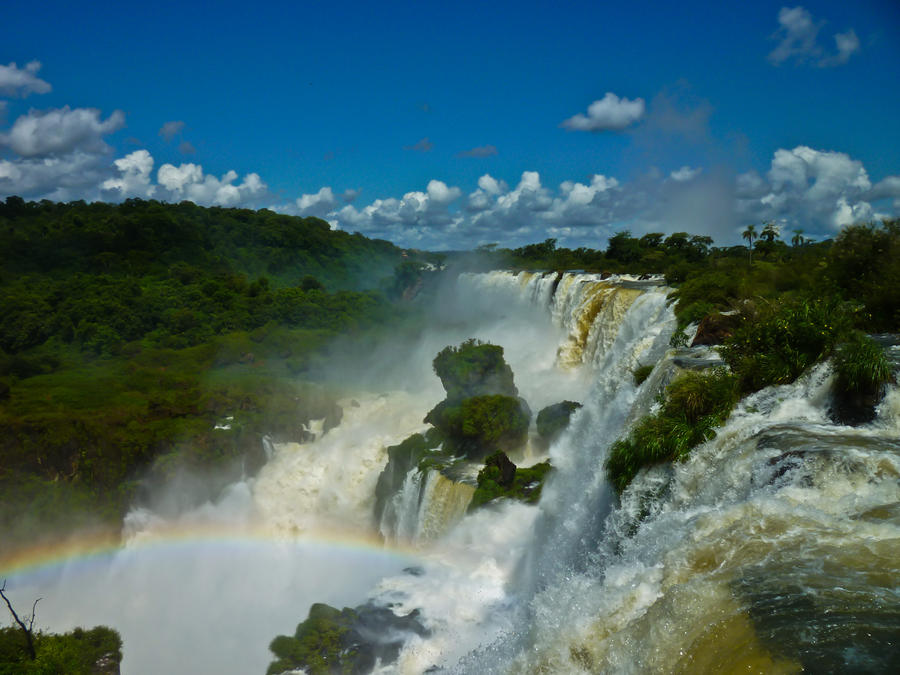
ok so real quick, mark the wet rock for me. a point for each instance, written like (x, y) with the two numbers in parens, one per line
(714, 329)
(856, 407)
(507, 468)
(552, 420)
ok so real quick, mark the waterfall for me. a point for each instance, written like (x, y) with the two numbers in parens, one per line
(444, 503)
(774, 547)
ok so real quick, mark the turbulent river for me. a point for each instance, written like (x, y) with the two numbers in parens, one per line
(774, 548)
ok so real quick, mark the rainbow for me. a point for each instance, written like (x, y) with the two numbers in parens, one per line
(101, 546)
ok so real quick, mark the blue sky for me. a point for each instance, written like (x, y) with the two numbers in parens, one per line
(455, 124)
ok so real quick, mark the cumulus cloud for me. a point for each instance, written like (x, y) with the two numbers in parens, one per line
(610, 113)
(418, 218)
(188, 181)
(423, 145)
(480, 151)
(63, 178)
(133, 179)
(810, 188)
(20, 82)
(171, 129)
(59, 131)
(798, 35)
(318, 204)
(186, 148)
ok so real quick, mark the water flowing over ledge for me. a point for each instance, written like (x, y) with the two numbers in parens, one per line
(774, 547)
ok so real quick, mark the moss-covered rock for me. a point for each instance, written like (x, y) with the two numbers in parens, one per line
(474, 369)
(863, 371)
(419, 451)
(477, 426)
(501, 478)
(552, 420)
(346, 641)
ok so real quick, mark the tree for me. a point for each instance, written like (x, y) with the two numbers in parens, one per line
(750, 234)
(797, 239)
(27, 629)
(770, 232)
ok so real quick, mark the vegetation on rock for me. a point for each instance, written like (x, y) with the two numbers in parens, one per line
(553, 419)
(346, 641)
(500, 478)
(863, 371)
(693, 406)
(480, 425)
(775, 342)
(474, 369)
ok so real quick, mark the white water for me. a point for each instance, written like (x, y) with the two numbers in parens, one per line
(576, 584)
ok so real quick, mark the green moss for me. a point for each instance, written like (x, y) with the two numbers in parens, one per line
(474, 369)
(525, 484)
(479, 425)
(695, 404)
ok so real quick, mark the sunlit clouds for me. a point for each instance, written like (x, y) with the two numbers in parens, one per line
(610, 113)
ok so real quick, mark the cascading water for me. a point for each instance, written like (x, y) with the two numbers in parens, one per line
(773, 548)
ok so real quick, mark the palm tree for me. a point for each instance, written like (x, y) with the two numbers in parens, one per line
(770, 232)
(750, 234)
(797, 239)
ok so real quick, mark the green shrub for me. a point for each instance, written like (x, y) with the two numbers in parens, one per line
(774, 343)
(316, 646)
(525, 484)
(79, 652)
(479, 425)
(695, 404)
(861, 365)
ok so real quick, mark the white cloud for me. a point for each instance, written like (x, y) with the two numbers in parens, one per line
(798, 36)
(171, 129)
(847, 44)
(685, 173)
(608, 114)
(21, 82)
(72, 176)
(133, 179)
(809, 188)
(188, 181)
(318, 204)
(59, 131)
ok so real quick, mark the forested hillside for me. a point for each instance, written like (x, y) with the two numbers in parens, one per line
(131, 331)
